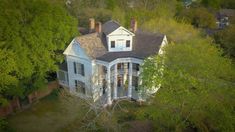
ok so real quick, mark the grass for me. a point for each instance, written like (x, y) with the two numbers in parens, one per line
(63, 112)
(49, 114)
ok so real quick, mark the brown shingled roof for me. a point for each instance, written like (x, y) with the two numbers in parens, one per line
(145, 44)
(93, 45)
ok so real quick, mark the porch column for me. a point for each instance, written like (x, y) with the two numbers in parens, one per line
(109, 101)
(115, 82)
(130, 81)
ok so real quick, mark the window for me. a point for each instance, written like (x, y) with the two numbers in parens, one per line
(128, 43)
(80, 87)
(61, 76)
(112, 44)
(79, 68)
(74, 66)
(136, 66)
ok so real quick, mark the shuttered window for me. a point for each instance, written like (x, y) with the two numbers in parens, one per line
(75, 68)
(79, 69)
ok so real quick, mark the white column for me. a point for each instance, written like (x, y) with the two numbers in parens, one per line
(125, 73)
(130, 81)
(109, 101)
(71, 82)
(115, 82)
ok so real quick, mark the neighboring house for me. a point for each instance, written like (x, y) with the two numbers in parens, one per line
(224, 17)
(105, 64)
(188, 3)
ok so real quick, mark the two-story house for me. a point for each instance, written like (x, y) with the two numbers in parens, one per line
(105, 63)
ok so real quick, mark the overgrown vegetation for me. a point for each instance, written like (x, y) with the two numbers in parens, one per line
(197, 83)
(32, 36)
(196, 75)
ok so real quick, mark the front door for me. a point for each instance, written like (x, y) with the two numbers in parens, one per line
(120, 81)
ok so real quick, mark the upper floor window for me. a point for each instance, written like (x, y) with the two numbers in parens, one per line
(112, 44)
(79, 68)
(128, 43)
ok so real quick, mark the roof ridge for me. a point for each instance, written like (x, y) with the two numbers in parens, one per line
(85, 35)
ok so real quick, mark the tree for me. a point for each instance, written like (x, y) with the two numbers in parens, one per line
(118, 15)
(229, 4)
(176, 31)
(211, 3)
(7, 77)
(199, 17)
(32, 34)
(197, 88)
(225, 39)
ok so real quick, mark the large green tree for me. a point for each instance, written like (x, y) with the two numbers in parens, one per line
(200, 17)
(32, 34)
(197, 88)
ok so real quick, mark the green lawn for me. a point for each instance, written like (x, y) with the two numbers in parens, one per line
(49, 114)
(66, 113)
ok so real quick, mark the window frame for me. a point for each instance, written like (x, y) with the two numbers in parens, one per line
(128, 43)
(112, 44)
(79, 68)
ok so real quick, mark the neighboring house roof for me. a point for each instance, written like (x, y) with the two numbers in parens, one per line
(227, 12)
(109, 27)
(145, 44)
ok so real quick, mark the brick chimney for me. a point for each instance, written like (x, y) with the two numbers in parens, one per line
(133, 25)
(91, 24)
(98, 27)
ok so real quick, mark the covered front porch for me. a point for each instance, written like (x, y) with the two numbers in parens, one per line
(118, 79)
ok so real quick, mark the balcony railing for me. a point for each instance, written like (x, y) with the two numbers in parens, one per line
(125, 71)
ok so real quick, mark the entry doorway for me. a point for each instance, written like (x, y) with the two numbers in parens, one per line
(120, 81)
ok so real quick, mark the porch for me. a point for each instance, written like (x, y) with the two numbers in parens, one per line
(119, 79)
(121, 93)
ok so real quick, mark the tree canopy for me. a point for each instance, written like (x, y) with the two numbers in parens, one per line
(197, 88)
(32, 33)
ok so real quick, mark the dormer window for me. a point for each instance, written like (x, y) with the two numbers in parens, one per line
(112, 44)
(128, 43)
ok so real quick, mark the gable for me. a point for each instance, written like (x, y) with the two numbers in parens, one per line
(74, 49)
(121, 31)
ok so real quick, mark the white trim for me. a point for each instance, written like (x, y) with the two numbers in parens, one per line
(130, 80)
(109, 100)
(115, 82)
(121, 27)
(100, 62)
(125, 60)
(164, 42)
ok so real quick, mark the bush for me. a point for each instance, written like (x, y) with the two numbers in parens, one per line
(4, 125)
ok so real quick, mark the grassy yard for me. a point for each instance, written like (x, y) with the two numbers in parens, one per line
(50, 114)
(66, 113)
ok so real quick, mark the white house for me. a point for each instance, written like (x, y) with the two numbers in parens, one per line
(105, 63)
